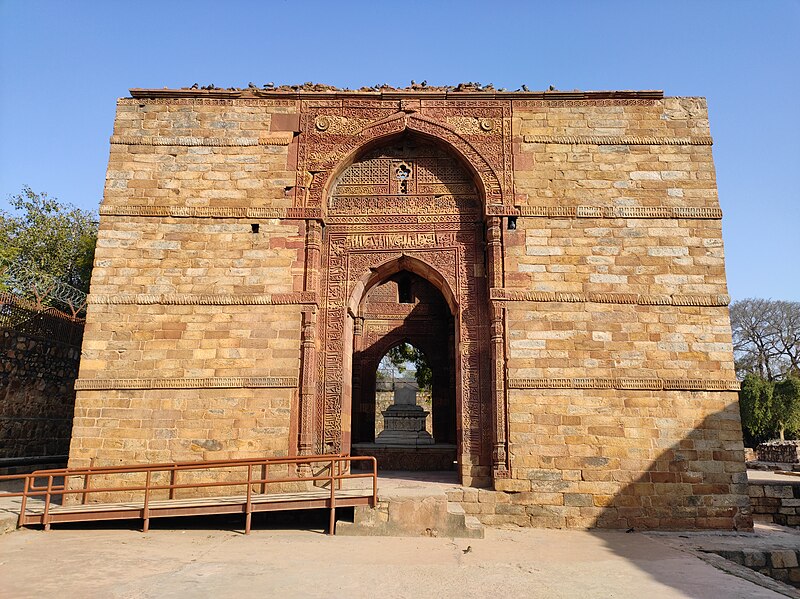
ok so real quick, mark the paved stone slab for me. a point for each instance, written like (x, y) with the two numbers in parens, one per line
(211, 563)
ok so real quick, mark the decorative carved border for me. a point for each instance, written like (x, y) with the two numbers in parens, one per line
(644, 384)
(429, 221)
(272, 382)
(619, 140)
(587, 102)
(304, 213)
(208, 101)
(620, 212)
(210, 212)
(451, 256)
(268, 139)
(515, 295)
(265, 299)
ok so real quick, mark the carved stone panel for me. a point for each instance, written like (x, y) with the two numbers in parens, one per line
(407, 178)
(332, 131)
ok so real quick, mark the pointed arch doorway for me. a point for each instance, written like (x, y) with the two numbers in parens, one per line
(406, 204)
(404, 309)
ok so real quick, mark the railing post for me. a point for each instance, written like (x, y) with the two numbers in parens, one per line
(374, 481)
(248, 517)
(173, 477)
(24, 503)
(332, 524)
(46, 515)
(264, 478)
(86, 486)
(146, 510)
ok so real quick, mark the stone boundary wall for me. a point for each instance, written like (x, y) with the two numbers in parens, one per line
(785, 453)
(779, 564)
(777, 502)
(40, 354)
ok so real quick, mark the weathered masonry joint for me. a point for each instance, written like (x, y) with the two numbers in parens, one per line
(557, 257)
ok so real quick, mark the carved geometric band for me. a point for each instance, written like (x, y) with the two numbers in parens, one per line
(207, 101)
(626, 384)
(620, 212)
(210, 212)
(269, 139)
(265, 299)
(514, 295)
(619, 140)
(188, 383)
(553, 102)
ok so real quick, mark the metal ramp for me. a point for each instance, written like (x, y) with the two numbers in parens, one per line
(192, 488)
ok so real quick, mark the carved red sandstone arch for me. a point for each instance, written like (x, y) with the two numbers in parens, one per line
(419, 267)
(345, 275)
(487, 182)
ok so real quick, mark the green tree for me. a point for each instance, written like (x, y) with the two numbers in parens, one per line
(401, 356)
(786, 402)
(755, 406)
(770, 408)
(47, 237)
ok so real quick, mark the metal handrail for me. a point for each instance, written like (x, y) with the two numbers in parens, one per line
(337, 465)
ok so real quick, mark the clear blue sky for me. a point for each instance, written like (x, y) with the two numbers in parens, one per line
(63, 64)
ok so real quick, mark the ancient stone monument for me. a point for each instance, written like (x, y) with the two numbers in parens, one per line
(404, 420)
(556, 255)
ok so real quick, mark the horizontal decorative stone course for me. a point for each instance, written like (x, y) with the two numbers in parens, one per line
(221, 99)
(304, 297)
(556, 101)
(186, 383)
(209, 212)
(269, 139)
(658, 212)
(513, 295)
(646, 384)
(614, 140)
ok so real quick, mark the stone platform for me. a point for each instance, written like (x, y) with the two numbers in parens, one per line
(432, 457)
(413, 504)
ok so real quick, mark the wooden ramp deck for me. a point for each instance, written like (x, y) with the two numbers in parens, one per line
(45, 505)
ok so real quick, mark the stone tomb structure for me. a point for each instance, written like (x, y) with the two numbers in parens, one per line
(557, 256)
(404, 420)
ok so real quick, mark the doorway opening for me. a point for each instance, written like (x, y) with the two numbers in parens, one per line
(404, 396)
(403, 384)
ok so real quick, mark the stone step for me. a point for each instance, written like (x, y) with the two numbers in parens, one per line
(413, 516)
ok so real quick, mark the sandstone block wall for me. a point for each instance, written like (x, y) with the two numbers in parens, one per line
(193, 342)
(603, 269)
(622, 410)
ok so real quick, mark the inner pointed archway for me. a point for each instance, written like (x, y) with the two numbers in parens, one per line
(404, 320)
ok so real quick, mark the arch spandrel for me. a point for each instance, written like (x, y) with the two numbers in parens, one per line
(478, 132)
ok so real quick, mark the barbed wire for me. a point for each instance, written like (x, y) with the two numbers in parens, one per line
(43, 287)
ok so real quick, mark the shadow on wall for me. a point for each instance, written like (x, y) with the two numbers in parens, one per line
(698, 482)
(649, 462)
(40, 351)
